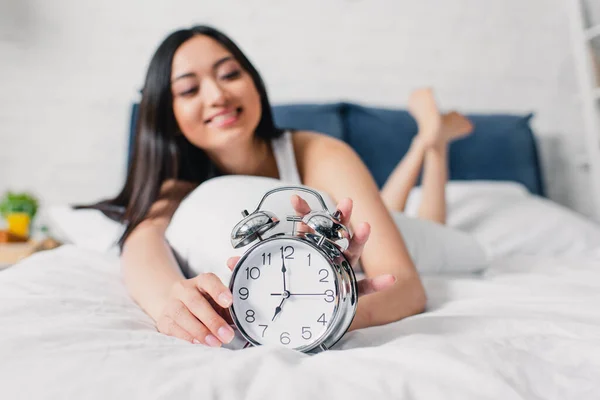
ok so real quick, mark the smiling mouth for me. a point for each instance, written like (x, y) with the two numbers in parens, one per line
(222, 118)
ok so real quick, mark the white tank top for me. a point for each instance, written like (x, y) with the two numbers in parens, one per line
(283, 149)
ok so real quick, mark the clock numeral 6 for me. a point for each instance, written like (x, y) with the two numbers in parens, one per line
(244, 293)
(329, 296)
(253, 273)
(306, 333)
(285, 338)
(250, 318)
(322, 319)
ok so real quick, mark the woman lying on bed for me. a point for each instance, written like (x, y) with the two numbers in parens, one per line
(204, 112)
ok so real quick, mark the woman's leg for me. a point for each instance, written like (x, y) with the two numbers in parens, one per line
(430, 146)
(403, 178)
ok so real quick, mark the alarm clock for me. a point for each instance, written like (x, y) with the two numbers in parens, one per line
(293, 289)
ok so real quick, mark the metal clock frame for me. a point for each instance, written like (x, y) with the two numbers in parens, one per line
(346, 296)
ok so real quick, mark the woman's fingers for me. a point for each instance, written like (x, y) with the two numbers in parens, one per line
(302, 208)
(206, 314)
(182, 323)
(357, 244)
(169, 327)
(300, 205)
(210, 284)
(345, 207)
(232, 261)
(201, 308)
(374, 285)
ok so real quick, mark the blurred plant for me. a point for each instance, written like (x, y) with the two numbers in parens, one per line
(18, 203)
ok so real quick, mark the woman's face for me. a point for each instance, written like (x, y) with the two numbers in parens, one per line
(215, 101)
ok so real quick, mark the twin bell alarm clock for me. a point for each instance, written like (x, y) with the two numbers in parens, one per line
(294, 289)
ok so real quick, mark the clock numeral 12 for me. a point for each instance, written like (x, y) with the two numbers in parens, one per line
(287, 256)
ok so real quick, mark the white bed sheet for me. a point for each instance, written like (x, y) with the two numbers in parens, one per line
(529, 328)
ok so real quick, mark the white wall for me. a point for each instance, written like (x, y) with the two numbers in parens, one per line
(69, 70)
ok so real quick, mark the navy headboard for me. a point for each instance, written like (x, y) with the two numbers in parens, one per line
(502, 147)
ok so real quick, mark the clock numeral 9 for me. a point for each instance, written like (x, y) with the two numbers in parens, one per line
(322, 319)
(287, 256)
(306, 333)
(244, 293)
(324, 279)
(329, 295)
(285, 338)
(250, 316)
(253, 273)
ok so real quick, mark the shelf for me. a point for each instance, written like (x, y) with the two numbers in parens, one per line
(593, 32)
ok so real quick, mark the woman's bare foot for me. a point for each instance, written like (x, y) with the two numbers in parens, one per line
(455, 126)
(422, 107)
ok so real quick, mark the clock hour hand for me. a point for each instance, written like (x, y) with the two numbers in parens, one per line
(278, 309)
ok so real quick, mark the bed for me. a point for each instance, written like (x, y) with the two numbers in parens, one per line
(528, 327)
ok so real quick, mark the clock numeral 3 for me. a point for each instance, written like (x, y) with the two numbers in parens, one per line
(329, 295)
(244, 293)
(306, 333)
(285, 338)
(253, 273)
(250, 318)
(324, 279)
(322, 319)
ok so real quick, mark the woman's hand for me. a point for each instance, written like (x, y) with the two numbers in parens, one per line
(355, 249)
(196, 311)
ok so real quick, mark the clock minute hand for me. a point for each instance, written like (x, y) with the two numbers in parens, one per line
(283, 271)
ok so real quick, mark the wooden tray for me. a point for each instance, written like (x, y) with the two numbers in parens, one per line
(11, 253)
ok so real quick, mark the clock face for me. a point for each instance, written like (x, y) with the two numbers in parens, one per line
(284, 293)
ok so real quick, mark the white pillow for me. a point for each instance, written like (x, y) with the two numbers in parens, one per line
(438, 249)
(460, 193)
(86, 228)
(200, 230)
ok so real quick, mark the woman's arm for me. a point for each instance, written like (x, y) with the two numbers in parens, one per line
(332, 166)
(149, 267)
(190, 309)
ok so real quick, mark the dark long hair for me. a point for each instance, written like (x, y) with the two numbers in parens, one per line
(160, 151)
